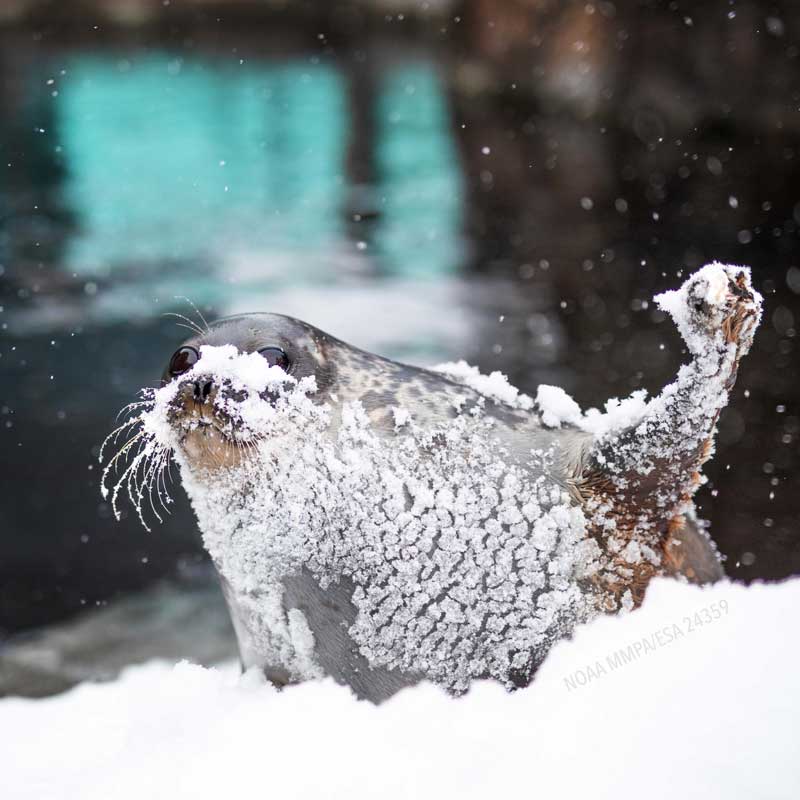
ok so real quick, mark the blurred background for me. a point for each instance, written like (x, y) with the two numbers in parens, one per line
(508, 181)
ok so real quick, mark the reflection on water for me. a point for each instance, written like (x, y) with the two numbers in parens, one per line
(216, 180)
(196, 163)
(419, 181)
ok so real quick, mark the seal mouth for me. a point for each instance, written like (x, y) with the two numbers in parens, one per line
(204, 420)
(207, 433)
(207, 446)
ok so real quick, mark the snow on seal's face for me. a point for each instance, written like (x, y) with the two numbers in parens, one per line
(225, 402)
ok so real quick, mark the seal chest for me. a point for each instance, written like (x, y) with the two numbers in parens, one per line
(381, 523)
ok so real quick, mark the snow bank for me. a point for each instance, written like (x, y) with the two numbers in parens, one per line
(694, 695)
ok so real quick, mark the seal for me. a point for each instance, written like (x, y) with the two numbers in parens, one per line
(381, 524)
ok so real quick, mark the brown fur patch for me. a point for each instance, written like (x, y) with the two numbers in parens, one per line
(205, 443)
(206, 447)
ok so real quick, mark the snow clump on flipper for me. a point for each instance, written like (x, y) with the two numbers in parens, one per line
(702, 309)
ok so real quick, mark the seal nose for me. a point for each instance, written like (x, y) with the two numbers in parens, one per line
(202, 389)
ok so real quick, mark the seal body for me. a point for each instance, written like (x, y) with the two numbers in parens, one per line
(392, 524)
(381, 523)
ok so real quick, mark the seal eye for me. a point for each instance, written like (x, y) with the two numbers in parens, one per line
(275, 357)
(183, 360)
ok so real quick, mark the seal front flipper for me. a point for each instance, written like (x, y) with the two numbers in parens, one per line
(638, 483)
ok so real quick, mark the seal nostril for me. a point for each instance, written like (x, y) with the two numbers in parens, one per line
(202, 389)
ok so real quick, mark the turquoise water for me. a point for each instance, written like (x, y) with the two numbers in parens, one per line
(233, 176)
(181, 161)
(420, 179)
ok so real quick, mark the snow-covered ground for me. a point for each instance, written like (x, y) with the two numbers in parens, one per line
(694, 695)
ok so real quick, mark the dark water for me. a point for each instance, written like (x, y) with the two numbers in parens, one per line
(390, 206)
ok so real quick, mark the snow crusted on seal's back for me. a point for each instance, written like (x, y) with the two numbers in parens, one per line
(554, 405)
(495, 385)
(558, 408)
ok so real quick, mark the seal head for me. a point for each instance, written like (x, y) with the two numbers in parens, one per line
(203, 407)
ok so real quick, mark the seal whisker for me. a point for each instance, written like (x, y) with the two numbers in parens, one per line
(113, 436)
(139, 459)
(147, 483)
(144, 479)
(136, 436)
(137, 419)
(160, 485)
(188, 328)
(150, 451)
(192, 326)
(128, 480)
(169, 471)
(145, 458)
(250, 446)
(197, 311)
(131, 406)
(139, 437)
(129, 477)
(124, 427)
(117, 432)
(144, 484)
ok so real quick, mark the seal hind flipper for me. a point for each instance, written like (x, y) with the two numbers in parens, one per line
(689, 551)
(638, 483)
